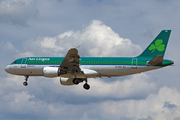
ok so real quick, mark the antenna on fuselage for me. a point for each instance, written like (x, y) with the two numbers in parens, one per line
(78, 46)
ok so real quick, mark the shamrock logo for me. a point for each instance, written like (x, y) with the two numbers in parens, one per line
(158, 45)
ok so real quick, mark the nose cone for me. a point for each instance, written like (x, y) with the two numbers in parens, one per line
(7, 69)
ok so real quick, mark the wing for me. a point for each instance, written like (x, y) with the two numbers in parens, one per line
(71, 62)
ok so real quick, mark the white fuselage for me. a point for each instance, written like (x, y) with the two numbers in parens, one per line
(102, 70)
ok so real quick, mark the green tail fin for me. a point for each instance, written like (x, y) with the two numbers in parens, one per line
(157, 46)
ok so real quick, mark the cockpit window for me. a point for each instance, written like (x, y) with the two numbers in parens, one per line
(14, 62)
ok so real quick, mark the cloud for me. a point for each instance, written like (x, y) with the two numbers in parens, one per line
(169, 105)
(152, 105)
(137, 86)
(11, 51)
(176, 118)
(128, 98)
(17, 12)
(44, 98)
(148, 118)
(9, 48)
(97, 39)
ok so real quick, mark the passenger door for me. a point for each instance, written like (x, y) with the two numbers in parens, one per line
(134, 63)
(23, 63)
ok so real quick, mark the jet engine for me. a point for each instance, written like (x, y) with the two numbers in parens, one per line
(53, 71)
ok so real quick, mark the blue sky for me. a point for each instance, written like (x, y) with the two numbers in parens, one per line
(102, 28)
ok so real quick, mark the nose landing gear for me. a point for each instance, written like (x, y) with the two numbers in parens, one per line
(26, 79)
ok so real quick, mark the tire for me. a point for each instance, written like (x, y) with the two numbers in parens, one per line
(86, 86)
(76, 81)
(25, 83)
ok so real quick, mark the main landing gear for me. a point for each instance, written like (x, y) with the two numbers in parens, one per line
(26, 79)
(78, 80)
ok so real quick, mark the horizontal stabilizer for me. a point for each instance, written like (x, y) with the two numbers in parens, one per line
(156, 60)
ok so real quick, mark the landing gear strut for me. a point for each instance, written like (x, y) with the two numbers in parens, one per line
(76, 81)
(26, 79)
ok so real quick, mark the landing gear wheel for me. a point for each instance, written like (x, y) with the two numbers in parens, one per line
(75, 81)
(25, 83)
(86, 86)
(26, 79)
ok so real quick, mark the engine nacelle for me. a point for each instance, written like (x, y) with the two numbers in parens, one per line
(51, 71)
(66, 81)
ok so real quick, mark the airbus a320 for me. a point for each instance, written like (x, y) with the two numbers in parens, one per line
(73, 69)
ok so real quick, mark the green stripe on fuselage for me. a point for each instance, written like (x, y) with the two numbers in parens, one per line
(142, 61)
(83, 61)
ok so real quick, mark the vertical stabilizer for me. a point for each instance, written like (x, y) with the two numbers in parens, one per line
(157, 46)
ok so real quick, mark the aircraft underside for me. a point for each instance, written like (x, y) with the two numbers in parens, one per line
(89, 72)
(102, 70)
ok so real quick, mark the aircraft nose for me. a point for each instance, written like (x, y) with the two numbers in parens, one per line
(7, 69)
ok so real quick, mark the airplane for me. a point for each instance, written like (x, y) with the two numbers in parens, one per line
(73, 69)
